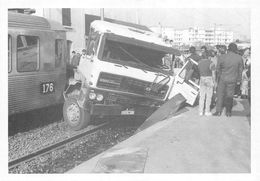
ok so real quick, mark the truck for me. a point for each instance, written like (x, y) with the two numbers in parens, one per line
(128, 71)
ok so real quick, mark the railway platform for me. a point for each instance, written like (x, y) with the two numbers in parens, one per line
(183, 143)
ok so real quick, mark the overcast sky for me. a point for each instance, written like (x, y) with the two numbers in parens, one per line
(235, 19)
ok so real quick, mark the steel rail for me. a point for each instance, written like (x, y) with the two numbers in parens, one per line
(53, 147)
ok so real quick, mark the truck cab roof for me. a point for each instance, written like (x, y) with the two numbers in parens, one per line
(128, 32)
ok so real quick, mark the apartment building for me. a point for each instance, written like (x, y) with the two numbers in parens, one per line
(196, 35)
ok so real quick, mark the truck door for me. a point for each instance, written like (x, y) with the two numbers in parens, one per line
(186, 82)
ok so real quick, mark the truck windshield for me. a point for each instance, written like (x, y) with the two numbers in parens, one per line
(135, 55)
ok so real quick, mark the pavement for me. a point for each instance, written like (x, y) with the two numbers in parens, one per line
(183, 143)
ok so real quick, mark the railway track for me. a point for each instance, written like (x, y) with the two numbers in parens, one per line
(56, 146)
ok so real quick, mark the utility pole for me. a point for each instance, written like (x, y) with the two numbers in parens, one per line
(215, 33)
(102, 14)
(160, 26)
(137, 16)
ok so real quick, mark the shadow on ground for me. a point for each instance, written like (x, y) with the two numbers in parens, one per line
(246, 109)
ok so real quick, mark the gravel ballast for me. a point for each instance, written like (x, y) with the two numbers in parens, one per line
(72, 154)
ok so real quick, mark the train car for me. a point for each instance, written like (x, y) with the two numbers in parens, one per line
(37, 54)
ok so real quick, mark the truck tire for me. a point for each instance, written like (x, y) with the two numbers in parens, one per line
(75, 116)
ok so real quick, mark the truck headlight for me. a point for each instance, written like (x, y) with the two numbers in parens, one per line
(100, 97)
(148, 89)
(92, 95)
(162, 91)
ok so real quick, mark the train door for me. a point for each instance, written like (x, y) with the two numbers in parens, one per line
(60, 62)
(186, 82)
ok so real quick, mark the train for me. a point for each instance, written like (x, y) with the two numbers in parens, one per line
(38, 52)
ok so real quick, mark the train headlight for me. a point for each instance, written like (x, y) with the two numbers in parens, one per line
(92, 95)
(100, 97)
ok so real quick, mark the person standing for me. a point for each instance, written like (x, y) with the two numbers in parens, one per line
(204, 53)
(83, 56)
(244, 84)
(75, 60)
(69, 67)
(206, 69)
(193, 55)
(73, 53)
(223, 49)
(246, 57)
(229, 68)
(213, 57)
(248, 74)
(245, 79)
(193, 70)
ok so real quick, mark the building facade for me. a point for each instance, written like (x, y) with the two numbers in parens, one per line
(74, 21)
(197, 36)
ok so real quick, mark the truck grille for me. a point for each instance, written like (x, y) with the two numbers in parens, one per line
(128, 84)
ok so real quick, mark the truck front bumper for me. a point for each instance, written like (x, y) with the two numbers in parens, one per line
(105, 110)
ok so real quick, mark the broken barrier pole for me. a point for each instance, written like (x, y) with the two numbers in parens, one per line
(170, 107)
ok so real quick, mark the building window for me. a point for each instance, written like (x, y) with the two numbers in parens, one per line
(27, 53)
(66, 16)
(9, 53)
(58, 52)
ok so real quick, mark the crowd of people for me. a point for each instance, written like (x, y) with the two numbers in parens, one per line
(225, 71)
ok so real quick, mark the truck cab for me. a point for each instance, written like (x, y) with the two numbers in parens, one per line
(127, 71)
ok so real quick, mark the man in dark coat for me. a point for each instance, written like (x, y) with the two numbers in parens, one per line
(75, 60)
(229, 68)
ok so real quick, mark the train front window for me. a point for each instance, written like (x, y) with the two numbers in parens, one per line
(58, 52)
(9, 53)
(27, 53)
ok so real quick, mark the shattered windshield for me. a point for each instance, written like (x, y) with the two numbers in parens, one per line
(129, 54)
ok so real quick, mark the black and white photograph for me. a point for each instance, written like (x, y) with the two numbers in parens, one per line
(118, 89)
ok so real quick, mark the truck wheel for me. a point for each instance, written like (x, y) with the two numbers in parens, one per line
(76, 117)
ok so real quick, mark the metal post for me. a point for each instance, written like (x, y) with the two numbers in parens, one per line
(160, 26)
(137, 16)
(102, 14)
(215, 33)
